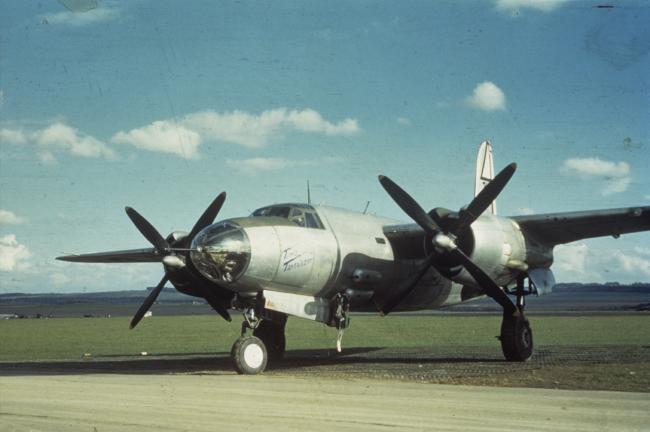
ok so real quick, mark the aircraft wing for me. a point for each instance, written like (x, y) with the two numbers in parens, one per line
(123, 256)
(558, 228)
(548, 229)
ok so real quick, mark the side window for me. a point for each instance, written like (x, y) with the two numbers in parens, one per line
(298, 217)
(313, 221)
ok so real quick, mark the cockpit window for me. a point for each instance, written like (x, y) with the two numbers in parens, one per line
(312, 221)
(277, 211)
(297, 216)
(302, 215)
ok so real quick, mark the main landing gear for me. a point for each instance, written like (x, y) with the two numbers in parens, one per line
(516, 334)
(251, 354)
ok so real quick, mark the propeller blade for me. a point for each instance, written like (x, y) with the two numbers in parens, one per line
(153, 295)
(409, 206)
(208, 215)
(218, 308)
(147, 230)
(483, 200)
(406, 288)
(215, 303)
(486, 282)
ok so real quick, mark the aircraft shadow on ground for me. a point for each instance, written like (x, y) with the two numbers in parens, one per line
(220, 363)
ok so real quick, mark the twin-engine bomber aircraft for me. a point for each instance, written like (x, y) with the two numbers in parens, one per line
(321, 263)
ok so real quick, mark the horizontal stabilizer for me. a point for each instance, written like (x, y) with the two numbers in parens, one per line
(123, 256)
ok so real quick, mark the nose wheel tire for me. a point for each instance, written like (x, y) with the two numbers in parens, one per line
(249, 355)
(516, 338)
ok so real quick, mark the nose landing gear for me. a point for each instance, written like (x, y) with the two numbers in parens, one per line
(251, 354)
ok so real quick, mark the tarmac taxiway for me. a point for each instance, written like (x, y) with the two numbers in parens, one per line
(176, 402)
(316, 390)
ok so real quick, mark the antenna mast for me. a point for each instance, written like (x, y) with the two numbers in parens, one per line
(308, 193)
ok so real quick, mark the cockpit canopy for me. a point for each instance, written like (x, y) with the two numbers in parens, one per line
(302, 215)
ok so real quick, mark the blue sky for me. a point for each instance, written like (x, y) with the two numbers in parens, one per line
(162, 105)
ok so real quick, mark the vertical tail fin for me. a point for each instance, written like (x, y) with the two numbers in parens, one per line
(484, 171)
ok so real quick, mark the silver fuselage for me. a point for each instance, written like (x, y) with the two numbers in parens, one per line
(349, 252)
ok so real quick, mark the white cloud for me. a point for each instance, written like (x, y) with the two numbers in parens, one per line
(597, 167)
(185, 136)
(163, 136)
(404, 121)
(646, 197)
(616, 185)
(250, 130)
(635, 265)
(58, 138)
(254, 166)
(47, 158)
(487, 97)
(514, 6)
(570, 260)
(616, 176)
(61, 137)
(182, 137)
(9, 218)
(577, 262)
(80, 19)
(642, 250)
(60, 279)
(311, 121)
(13, 254)
(12, 136)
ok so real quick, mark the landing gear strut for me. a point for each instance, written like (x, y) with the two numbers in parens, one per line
(341, 317)
(516, 334)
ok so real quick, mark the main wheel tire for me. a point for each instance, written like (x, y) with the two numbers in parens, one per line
(516, 338)
(272, 334)
(249, 355)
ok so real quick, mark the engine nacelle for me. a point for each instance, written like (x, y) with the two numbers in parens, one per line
(497, 246)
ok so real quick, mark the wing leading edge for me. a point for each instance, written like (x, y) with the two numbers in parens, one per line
(558, 228)
(123, 256)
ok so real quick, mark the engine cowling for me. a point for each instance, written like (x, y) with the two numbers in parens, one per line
(497, 246)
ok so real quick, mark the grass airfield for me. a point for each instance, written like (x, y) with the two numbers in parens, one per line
(601, 352)
(78, 374)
